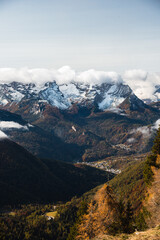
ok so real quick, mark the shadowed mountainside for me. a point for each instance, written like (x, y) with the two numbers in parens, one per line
(25, 178)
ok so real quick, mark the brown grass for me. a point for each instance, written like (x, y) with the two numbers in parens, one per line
(151, 234)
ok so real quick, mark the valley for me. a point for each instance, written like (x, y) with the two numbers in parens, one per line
(116, 164)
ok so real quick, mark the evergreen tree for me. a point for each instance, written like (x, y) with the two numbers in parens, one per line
(129, 218)
(151, 160)
(156, 146)
(121, 220)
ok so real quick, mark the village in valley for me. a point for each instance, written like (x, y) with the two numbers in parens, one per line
(103, 165)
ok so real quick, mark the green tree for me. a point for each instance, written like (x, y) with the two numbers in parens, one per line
(156, 146)
(151, 160)
(129, 218)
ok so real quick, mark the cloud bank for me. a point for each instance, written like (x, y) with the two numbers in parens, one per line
(62, 75)
(141, 82)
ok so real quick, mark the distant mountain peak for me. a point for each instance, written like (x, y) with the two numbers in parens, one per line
(104, 96)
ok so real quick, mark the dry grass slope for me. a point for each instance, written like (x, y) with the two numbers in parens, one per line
(153, 198)
(151, 234)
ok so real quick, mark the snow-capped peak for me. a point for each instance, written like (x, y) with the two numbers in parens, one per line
(105, 95)
(15, 92)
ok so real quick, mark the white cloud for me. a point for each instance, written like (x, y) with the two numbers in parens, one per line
(61, 76)
(37, 75)
(25, 75)
(137, 74)
(142, 83)
(97, 77)
(64, 75)
(11, 124)
(156, 125)
(146, 131)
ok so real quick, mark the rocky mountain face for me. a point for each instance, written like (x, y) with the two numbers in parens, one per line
(15, 92)
(104, 96)
(36, 140)
(114, 97)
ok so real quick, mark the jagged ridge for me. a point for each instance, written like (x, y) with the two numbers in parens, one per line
(104, 96)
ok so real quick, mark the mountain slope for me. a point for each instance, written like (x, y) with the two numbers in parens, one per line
(134, 194)
(36, 140)
(102, 213)
(150, 234)
(87, 134)
(25, 178)
(153, 200)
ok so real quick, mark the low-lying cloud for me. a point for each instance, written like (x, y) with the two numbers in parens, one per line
(141, 82)
(146, 131)
(98, 77)
(62, 75)
(2, 135)
(11, 124)
(156, 125)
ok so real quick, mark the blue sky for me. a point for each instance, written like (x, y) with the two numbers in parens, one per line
(110, 35)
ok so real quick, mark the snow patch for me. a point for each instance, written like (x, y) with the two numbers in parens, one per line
(107, 101)
(69, 91)
(54, 96)
(16, 96)
(110, 102)
(3, 101)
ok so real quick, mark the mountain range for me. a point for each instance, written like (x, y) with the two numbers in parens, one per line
(89, 122)
(104, 96)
